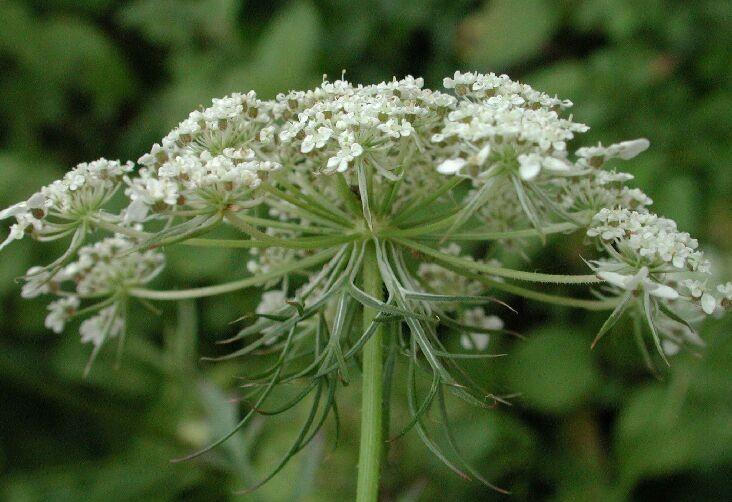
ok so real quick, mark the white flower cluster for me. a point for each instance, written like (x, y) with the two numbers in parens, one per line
(110, 265)
(229, 121)
(601, 189)
(479, 85)
(338, 123)
(209, 159)
(504, 130)
(197, 179)
(106, 268)
(220, 156)
(358, 161)
(648, 240)
(476, 317)
(650, 254)
(81, 191)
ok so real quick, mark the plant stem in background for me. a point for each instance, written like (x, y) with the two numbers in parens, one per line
(369, 460)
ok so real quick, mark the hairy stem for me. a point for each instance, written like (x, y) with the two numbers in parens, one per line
(369, 460)
(520, 275)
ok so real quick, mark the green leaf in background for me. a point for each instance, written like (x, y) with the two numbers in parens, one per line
(285, 54)
(507, 32)
(552, 370)
(180, 23)
(680, 425)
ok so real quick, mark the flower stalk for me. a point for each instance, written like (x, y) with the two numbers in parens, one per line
(371, 443)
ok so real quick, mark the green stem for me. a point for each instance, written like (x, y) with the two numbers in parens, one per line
(371, 444)
(565, 301)
(228, 287)
(488, 235)
(301, 243)
(485, 268)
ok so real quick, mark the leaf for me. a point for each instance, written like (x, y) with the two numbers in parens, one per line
(423, 408)
(553, 370)
(463, 299)
(456, 450)
(529, 207)
(507, 32)
(421, 431)
(475, 203)
(615, 316)
(673, 316)
(285, 54)
(175, 23)
(648, 305)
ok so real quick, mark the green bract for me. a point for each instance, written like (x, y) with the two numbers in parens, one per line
(354, 203)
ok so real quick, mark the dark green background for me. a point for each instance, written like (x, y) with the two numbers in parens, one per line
(80, 79)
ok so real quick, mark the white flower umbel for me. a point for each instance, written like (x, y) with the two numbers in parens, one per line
(68, 204)
(656, 264)
(362, 211)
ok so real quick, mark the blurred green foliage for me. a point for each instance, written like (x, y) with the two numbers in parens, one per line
(84, 79)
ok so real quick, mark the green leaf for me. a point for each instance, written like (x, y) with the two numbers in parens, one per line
(648, 308)
(285, 54)
(613, 319)
(507, 32)
(553, 370)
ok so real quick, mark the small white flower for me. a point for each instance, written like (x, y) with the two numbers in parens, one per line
(595, 156)
(708, 303)
(555, 164)
(477, 317)
(345, 155)
(136, 211)
(59, 312)
(725, 290)
(106, 324)
(271, 301)
(239, 154)
(267, 134)
(38, 281)
(317, 139)
(629, 149)
(529, 166)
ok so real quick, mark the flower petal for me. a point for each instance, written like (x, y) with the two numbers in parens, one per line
(451, 166)
(614, 278)
(708, 303)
